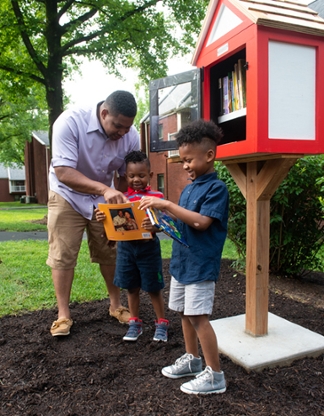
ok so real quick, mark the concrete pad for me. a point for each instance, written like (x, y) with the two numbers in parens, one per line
(284, 343)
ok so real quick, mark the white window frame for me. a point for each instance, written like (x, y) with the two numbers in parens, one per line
(172, 153)
(13, 187)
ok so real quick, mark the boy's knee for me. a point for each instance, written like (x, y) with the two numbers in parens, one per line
(199, 321)
(134, 290)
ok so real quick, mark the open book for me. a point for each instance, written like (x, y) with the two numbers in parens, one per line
(123, 221)
(166, 224)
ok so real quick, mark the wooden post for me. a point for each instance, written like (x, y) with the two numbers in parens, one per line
(258, 178)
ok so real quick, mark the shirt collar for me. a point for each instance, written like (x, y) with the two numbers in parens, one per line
(94, 122)
(206, 178)
(131, 191)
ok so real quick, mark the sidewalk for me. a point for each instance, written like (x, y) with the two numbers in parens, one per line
(27, 235)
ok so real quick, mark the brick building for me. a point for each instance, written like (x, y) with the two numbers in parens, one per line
(37, 161)
(12, 183)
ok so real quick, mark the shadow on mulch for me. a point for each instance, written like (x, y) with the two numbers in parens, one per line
(93, 372)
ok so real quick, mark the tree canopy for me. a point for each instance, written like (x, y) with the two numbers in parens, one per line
(22, 110)
(43, 41)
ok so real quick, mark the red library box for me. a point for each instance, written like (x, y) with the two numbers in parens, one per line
(260, 66)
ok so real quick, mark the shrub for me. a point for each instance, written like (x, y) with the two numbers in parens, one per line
(296, 217)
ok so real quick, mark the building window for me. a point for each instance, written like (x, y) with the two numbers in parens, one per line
(17, 186)
(160, 182)
(176, 96)
(173, 153)
(160, 132)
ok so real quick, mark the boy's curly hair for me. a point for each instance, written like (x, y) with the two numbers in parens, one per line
(197, 131)
(137, 156)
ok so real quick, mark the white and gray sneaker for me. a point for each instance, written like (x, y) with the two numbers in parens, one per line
(207, 382)
(185, 366)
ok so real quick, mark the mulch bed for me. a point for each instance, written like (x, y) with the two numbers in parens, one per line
(94, 372)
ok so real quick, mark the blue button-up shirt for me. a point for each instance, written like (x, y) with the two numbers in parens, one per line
(201, 261)
(80, 142)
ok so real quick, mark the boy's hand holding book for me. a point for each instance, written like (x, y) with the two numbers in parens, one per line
(152, 201)
(147, 225)
(100, 216)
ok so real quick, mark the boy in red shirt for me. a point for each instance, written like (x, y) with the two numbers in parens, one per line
(139, 262)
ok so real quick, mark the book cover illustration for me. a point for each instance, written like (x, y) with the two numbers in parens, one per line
(123, 221)
(165, 224)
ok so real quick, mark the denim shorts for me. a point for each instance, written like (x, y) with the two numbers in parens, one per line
(192, 299)
(139, 264)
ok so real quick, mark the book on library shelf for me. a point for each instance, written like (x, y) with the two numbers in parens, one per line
(232, 89)
(123, 222)
(237, 88)
(225, 96)
(242, 81)
(220, 94)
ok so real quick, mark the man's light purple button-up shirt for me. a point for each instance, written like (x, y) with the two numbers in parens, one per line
(79, 142)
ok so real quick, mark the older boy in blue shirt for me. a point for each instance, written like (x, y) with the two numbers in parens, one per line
(202, 216)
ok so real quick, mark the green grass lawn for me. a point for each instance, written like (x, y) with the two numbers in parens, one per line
(26, 283)
(25, 279)
(17, 217)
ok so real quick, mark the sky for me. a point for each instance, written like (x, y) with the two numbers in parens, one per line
(93, 84)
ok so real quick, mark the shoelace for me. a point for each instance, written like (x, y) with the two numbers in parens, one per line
(202, 377)
(182, 360)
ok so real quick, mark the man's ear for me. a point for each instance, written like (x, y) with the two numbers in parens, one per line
(151, 175)
(104, 112)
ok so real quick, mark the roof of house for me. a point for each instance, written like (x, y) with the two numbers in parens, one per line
(12, 173)
(318, 6)
(41, 136)
(291, 15)
(3, 172)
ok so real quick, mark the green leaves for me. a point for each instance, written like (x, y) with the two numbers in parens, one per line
(41, 42)
(296, 218)
(22, 110)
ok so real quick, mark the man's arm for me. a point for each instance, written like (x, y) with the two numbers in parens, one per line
(81, 183)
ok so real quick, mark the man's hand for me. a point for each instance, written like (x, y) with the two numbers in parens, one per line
(79, 182)
(112, 196)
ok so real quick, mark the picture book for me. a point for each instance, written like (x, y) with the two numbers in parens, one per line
(166, 224)
(123, 221)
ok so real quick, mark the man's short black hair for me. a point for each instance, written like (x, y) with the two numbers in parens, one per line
(121, 102)
(197, 131)
(137, 156)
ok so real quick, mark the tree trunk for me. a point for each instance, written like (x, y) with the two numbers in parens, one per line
(54, 97)
(54, 71)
